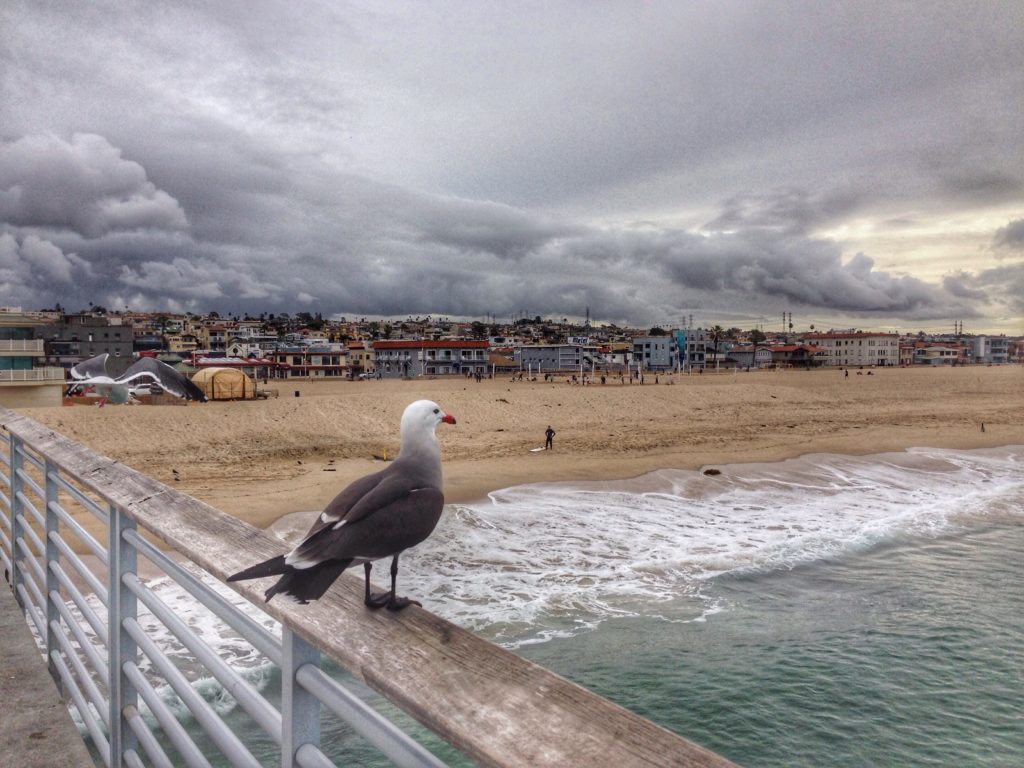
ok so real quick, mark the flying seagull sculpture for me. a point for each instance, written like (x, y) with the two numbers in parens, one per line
(380, 515)
(146, 370)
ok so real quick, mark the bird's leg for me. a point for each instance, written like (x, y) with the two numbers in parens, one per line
(397, 603)
(374, 599)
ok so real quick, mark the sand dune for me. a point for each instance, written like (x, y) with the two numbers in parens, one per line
(260, 460)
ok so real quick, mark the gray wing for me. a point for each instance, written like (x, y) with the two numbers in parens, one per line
(91, 368)
(386, 530)
(169, 379)
(359, 499)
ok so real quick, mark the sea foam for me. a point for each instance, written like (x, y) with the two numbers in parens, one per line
(552, 559)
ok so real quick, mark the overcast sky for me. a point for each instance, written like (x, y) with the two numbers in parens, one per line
(858, 164)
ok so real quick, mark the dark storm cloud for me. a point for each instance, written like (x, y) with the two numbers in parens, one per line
(393, 251)
(790, 210)
(82, 184)
(464, 158)
(488, 228)
(34, 270)
(768, 267)
(1007, 282)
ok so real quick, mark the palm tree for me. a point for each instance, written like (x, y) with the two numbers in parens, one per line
(716, 334)
(756, 337)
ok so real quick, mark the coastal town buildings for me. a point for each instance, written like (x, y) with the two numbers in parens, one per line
(307, 346)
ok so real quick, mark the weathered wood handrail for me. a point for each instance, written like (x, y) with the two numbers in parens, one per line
(496, 707)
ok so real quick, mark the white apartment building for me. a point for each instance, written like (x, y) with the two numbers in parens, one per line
(855, 348)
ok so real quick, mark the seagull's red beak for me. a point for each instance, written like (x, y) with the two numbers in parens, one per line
(448, 419)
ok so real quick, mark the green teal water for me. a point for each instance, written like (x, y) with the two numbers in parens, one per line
(910, 654)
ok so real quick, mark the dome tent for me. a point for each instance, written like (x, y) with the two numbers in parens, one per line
(225, 384)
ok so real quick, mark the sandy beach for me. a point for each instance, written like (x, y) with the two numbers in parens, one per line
(260, 460)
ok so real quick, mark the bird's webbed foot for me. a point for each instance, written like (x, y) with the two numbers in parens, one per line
(387, 599)
(377, 599)
(398, 603)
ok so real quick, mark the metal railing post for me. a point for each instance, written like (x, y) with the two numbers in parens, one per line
(300, 710)
(51, 555)
(17, 462)
(122, 605)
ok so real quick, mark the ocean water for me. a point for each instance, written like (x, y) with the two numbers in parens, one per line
(827, 610)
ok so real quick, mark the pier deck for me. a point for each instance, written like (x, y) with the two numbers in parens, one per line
(36, 730)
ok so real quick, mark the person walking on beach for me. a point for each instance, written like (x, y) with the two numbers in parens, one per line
(548, 435)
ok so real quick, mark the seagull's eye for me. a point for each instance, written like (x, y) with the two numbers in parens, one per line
(437, 410)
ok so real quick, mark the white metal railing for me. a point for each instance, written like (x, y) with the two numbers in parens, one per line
(110, 666)
(33, 374)
(96, 625)
(22, 345)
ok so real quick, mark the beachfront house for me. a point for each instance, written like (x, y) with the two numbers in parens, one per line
(855, 348)
(317, 361)
(692, 345)
(408, 358)
(906, 354)
(554, 358)
(360, 359)
(619, 354)
(655, 353)
(937, 354)
(988, 349)
(748, 357)
(796, 356)
(182, 344)
(251, 338)
(25, 379)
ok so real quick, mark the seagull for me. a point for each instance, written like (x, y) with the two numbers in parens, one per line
(377, 516)
(93, 373)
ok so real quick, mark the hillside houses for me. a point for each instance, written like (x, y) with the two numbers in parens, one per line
(310, 347)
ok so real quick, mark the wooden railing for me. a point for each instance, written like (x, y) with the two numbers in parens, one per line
(494, 706)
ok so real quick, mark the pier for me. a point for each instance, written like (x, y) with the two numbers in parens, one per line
(36, 729)
(488, 703)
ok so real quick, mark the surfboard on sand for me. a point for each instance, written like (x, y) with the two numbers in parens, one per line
(534, 450)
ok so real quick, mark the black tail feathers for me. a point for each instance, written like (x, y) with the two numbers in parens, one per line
(275, 566)
(303, 584)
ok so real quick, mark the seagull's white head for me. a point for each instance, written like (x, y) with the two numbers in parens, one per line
(422, 417)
